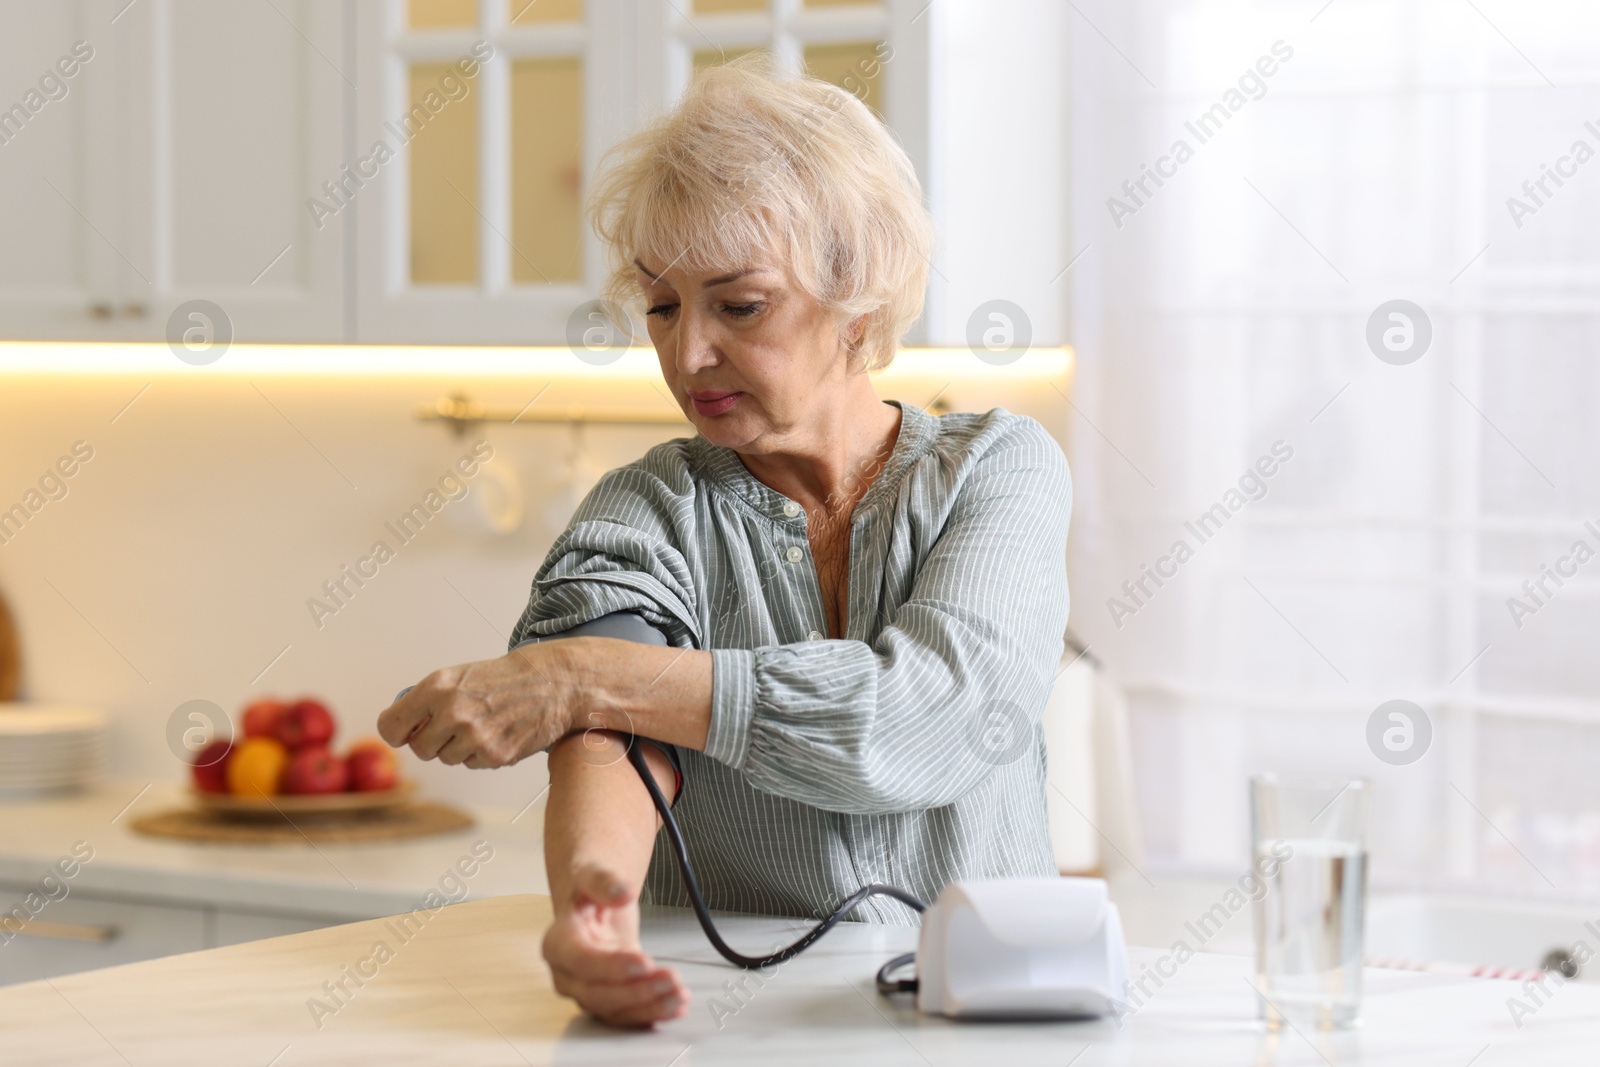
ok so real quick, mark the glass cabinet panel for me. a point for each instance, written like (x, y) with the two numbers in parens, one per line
(546, 169)
(720, 7)
(710, 57)
(443, 125)
(440, 14)
(856, 67)
(524, 12)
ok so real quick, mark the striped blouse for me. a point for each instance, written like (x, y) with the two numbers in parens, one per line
(907, 752)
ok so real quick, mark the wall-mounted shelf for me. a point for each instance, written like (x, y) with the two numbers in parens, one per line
(461, 411)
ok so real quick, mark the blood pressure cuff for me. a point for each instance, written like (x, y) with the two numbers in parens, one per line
(625, 626)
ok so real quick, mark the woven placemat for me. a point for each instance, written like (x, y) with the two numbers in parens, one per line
(418, 819)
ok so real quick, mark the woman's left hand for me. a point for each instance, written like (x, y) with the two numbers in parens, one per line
(492, 713)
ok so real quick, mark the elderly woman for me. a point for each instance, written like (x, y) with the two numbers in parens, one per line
(852, 594)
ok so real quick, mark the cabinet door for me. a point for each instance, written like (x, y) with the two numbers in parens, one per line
(482, 119)
(58, 149)
(83, 932)
(235, 121)
(177, 164)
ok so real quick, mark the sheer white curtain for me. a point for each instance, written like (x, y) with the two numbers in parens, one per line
(1336, 157)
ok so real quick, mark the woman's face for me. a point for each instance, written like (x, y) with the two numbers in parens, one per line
(751, 358)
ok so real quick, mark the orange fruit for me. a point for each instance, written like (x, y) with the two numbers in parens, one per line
(257, 767)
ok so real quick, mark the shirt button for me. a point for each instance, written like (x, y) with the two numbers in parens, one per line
(814, 635)
(791, 509)
(793, 554)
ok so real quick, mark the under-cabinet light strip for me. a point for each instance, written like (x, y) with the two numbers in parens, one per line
(71, 359)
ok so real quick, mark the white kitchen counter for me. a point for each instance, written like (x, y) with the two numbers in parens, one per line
(340, 882)
(470, 988)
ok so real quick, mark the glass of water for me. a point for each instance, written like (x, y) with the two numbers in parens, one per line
(1310, 849)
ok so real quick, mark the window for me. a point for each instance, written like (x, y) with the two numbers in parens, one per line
(1226, 307)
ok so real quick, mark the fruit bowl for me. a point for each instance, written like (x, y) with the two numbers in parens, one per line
(295, 804)
(281, 763)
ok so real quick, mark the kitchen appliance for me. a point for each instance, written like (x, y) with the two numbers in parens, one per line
(1021, 948)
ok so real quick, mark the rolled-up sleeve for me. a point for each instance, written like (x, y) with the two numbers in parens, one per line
(620, 553)
(914, 719)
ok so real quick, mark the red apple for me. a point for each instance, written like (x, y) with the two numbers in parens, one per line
(307, 722)
(261, 718)
(373, 766)
(210, 767)
(313, 769)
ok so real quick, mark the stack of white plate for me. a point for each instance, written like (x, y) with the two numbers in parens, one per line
(49, 746)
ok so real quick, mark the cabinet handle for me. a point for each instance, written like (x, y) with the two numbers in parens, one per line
(101, 310)
(135, 311)
(64, 931)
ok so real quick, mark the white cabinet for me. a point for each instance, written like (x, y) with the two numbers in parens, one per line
(84, 931)
(474, 130)
(975, 93)
(229, 150)
(57, 143)
(175, 165)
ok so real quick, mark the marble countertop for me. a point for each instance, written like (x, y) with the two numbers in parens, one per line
(468, 986)
(346, 881)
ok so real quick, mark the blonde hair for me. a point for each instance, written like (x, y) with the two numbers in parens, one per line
(750, 164)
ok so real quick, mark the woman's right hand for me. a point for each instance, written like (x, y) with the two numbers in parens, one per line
(593, 949)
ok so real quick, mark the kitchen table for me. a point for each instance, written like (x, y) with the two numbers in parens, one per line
(464, 984)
